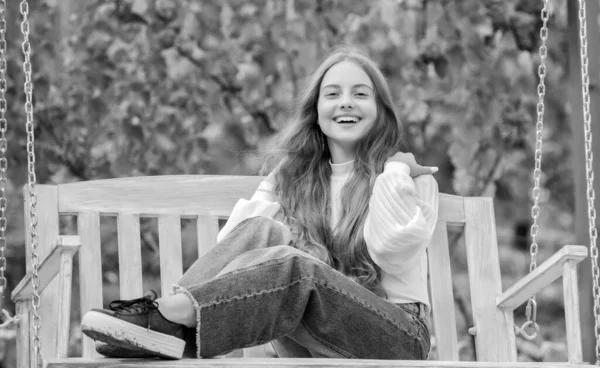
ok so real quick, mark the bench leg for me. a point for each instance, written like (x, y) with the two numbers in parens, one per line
(23, 335)
(65, 277)
(572, 321)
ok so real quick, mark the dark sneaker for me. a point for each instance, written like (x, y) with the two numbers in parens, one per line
(113, 351)
(136, 325)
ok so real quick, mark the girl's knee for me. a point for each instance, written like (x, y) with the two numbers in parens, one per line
(264, 221)
(269, 223)
(282, 251)
(258, 256)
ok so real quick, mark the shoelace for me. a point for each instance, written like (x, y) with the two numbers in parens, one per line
(139, 305)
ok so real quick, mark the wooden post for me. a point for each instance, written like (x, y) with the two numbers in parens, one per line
(572, 315)
(496, 342)
(578, 154)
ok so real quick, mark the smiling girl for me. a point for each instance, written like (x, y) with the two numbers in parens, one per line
(328, 257)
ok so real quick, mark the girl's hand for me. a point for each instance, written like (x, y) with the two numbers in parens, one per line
(415, 168)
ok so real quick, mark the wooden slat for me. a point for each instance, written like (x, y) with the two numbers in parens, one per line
(542, 276)
(169, 238)
(207, 230)
(451, 209)
(296, 362)
(216, 194)
(442, 298)
(48, 268)
(572, 318)
(65, 279)
(90, 270)
(130, 256)
(177, 194)
(495, 340)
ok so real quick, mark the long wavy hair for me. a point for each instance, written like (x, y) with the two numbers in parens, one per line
(300, 163)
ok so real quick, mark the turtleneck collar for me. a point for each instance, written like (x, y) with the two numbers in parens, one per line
(341, 169)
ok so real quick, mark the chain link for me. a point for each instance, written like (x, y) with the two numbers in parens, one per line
(531, 308)
(3, 151)
(589, 159)
(28, 85)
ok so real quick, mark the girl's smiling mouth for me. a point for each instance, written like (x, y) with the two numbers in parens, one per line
(347, 119)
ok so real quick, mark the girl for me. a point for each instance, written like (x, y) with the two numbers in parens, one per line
(327, 259)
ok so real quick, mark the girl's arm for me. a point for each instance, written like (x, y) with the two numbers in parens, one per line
(402, 216)
(262, 204)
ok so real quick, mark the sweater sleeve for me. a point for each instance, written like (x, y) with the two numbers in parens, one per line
(402, 216)
(262, 204)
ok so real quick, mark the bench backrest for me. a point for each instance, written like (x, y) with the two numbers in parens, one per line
(208, 199)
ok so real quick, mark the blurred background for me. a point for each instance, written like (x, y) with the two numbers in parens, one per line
(159, 87)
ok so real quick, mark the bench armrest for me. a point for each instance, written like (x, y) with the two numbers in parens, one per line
(542, 276)
(49, 267)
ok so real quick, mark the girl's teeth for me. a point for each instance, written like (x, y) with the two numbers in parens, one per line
(347, 120)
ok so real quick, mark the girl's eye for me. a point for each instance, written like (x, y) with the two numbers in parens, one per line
(331, 94)
(362, 94)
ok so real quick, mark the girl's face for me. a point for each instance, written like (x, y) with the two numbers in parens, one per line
(346, 108)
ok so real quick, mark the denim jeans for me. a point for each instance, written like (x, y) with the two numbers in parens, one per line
(254, 287)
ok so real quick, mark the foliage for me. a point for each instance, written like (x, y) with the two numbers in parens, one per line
(172, 87)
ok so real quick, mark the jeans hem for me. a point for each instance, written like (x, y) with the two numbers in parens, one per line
(177, 289)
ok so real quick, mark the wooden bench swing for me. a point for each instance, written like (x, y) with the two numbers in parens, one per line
(43, 298)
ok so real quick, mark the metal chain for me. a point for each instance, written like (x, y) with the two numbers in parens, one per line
(531, 308)
(35, 299)
(3, 149)
(8, 319)
(589, 159)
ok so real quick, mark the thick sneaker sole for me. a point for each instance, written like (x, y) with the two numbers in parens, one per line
(114, 331)
(114, 351)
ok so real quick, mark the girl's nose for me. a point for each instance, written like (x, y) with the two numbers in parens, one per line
(346, 102)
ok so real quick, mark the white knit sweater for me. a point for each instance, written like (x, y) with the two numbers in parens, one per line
(398, 229)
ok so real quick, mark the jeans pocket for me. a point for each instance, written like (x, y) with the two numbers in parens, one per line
(426, 337)
(421, 323)
(412, 309)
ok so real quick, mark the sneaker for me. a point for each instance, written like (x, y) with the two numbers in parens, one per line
(136, 325)
(114, 351)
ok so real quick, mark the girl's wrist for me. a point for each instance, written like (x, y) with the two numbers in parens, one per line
(397, 166)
